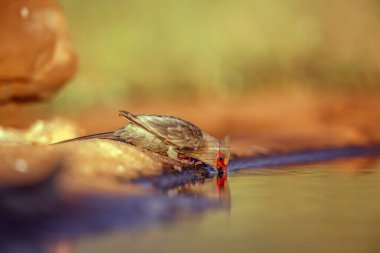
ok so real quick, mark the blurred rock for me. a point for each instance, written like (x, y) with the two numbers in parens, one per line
(36, 57)
(25, 153)
(98, 158)
(40, 132)
(28, 181)
(26, 165)
(46, 132)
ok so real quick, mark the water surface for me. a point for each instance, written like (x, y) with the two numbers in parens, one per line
(332, 207)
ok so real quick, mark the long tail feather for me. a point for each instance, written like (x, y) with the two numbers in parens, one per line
(129, 116)
(134, 120)
(106, 135)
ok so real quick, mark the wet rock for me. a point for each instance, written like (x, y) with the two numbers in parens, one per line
(36, 57)
(111, 159)
(26, 165)
(29, 188)
(94, 159)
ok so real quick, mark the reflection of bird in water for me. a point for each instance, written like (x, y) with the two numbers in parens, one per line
(221, 182)
(215, 188)
(223, 190)
(171, 136)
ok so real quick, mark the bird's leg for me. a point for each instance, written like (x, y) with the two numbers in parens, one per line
(172, 153)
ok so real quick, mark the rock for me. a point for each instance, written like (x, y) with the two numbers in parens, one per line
(27, 165)
(98, 158)
(40, 132)
(36, 57)
(24, 153)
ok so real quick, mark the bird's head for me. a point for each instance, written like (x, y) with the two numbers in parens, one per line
(223, 156)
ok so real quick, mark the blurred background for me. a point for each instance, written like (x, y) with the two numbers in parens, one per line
(133, 50)
(278, 72)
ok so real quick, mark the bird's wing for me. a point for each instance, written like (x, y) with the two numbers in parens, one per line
(172, 130)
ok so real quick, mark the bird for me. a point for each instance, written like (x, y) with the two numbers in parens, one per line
(170, 136)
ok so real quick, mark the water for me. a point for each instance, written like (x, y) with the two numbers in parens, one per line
(325, 207)
(330, 207)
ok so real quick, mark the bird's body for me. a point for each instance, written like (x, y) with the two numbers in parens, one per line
(171, 136)
(141, 138)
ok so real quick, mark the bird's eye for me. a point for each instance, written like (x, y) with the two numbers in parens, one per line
(221, 158)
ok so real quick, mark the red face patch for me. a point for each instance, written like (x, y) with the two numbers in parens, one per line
(221, 162)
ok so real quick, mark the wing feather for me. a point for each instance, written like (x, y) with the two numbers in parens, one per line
(172, 130)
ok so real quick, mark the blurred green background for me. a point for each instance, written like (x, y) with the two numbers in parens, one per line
(130, 50)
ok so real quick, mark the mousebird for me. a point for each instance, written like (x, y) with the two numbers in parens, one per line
(171, 136)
